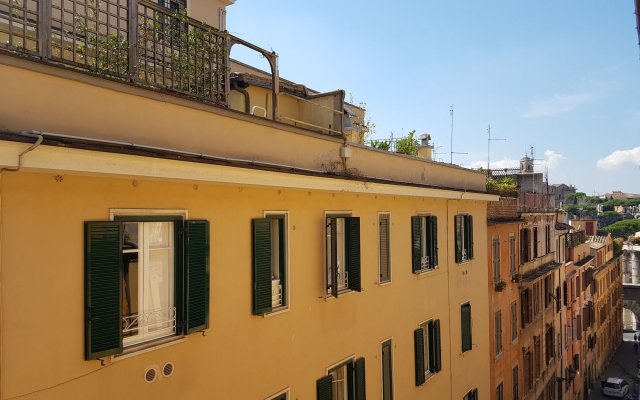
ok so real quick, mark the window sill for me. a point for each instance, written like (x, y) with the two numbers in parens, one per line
(277, 311)
(428, 376)
(340, 294)
(385, 283)
(425, 272)
(148, 347)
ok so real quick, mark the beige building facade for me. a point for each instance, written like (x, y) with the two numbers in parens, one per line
(159, 241)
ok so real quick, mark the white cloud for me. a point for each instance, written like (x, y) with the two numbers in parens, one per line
(620, 158)
(558, 104)
(551, 161)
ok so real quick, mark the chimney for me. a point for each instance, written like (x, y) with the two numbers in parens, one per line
(426, 148)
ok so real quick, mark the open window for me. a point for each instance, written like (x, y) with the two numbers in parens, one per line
(269, 264)
(342, 272)
(146, 279)
(427, 348)
(345, 381)
(464, 237)
(424, 239)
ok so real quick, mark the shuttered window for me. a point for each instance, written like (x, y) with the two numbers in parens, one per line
(465, 319)
(345, 381)
(496, 260)
(424, 239)
(463, 237)
(512, 256)
(498, 331)
(324, 390)
(269, 264)
(428, 350)
(127, 303)
(342, 255)
(387, 370)
(471, 395)
(383, 245)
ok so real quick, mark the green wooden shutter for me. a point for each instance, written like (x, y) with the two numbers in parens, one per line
(468, 230)
(324, 390)
(432, 346)
(458, 237)
(438, 347)
(332, 255)
(352, 226)
(360, 385)
(433, 243)
(416, 243)
(261, 238)
(418, 340)
(351, 380)
(196, 267)
(102, 291)
(465, 318)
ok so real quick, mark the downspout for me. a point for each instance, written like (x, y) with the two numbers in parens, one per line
(31, 134)
(235, 85)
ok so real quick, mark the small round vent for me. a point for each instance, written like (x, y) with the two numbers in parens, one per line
(167, 370)
(151, 375)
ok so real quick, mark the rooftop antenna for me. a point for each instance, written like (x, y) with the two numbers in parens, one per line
(451, 113)
(452, 152)
(436, 152)
(489, 148)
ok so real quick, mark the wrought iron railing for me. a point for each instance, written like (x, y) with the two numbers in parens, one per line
(276, 293)
(131, 40)
(141, 323)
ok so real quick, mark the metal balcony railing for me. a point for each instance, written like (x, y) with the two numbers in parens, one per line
(150, 321)
(131, 40)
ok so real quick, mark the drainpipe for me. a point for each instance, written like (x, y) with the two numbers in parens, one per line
(240, 87)
(31, 134)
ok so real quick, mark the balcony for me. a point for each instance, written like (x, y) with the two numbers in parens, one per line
(536, 202)
(135, 41)
(141, 43)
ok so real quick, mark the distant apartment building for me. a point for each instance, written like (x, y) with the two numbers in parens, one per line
(560, 192)
(179, 225)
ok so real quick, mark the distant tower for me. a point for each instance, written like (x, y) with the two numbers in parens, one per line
(526, 164)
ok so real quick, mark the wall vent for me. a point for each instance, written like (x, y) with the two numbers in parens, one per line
(167, 370)
(150, 375)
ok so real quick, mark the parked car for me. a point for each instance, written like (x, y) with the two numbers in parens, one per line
(615, 387)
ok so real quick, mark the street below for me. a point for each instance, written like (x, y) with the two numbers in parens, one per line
(623, 365)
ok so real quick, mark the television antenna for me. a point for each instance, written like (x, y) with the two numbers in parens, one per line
(452, 152)
(489, 139)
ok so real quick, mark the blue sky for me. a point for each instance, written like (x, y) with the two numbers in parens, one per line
(561, 76)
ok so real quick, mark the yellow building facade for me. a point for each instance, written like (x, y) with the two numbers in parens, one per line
(158, 241)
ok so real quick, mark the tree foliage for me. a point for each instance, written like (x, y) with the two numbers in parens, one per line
(505, 187)
(623, 229)
(408, 145)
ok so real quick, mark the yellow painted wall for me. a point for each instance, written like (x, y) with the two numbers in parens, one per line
(241, 356)
(80, 107)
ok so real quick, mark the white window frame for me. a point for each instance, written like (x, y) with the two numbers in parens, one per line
(428, 369)
(343, 365)
(135, 341)
(280, 393)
